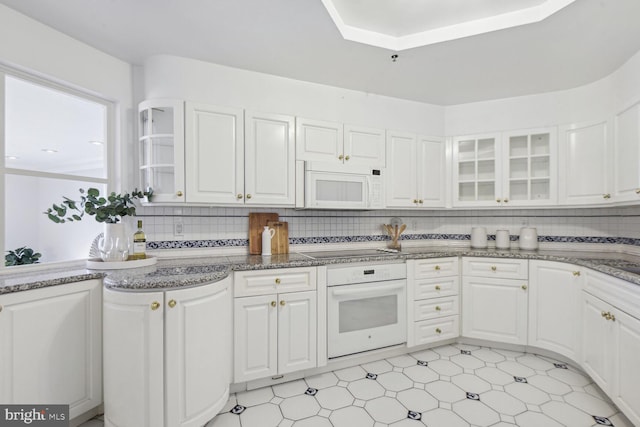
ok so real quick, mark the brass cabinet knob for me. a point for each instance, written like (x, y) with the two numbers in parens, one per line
(340, 157)
(524, 287)
(282, 303)
(415, 201)
(612, 317)
(273, 303)
(248, 196)
(239, 196)
(437, 287)
(438, 331)
(576, 273)
(506, 200)
(437, 268)
(278, 281)
(437, 308)
(347, 157)
(637, 190)
(172, 303)
(498, 200)
(420, 201)
(604, 314)
(179, 193)
(155, 305)
(494, 268)
(606, 196)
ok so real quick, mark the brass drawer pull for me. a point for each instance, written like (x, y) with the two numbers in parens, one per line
(278, 281)
(524, 287)
(437, 287)
(437, 268)
(438, 331)
(282, 303)
(155, 305)
(494, 268)
(438, 308)
(172, 303)
(576, 273)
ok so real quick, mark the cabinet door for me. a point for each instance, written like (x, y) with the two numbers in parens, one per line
(364, 146)
(319, 141)
(161, 150)
(269, 159)
(584, 155)
(598, 338)
(198, 349)
(626, 155)
(494, 309)
(530, 167)
(554, 307)
(297, 331)
(431, 156)
(626, 385)
(214, 154)
(51, 346)
(476, 175)
(134, 358)
(255, 337)
(402, 173)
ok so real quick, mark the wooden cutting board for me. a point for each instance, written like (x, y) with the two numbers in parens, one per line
(280, 241)
(257, 221)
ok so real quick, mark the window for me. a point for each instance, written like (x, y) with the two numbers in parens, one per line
(54, 142)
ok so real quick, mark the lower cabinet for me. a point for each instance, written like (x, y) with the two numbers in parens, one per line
(555, 317)
(611, 340)
(274, 334)
(494, 299)
(167, 355)
(51, 346)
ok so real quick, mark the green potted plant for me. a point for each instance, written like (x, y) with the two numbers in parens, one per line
(21, 256)
(108, 210)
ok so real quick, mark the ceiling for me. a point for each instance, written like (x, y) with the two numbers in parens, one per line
(578, 44)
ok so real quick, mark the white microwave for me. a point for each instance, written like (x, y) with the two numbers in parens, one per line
(337, 186)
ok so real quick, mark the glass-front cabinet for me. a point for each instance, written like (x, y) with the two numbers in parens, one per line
(161, 149)
(509, 169)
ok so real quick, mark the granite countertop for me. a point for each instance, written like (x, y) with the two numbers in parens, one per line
(188, 272)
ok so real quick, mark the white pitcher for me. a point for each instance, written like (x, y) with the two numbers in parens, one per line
(267, 235)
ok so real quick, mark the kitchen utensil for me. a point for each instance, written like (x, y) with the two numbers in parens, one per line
(478, 237)
(280, 242)
(503, 240)
(528, 238)
(257, 221)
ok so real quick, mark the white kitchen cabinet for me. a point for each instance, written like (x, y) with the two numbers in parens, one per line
(585, 158)
(275, 327)
(626, 155)
(167, 355)
(555, 289)
(477, 173)
(597, 341)
(322, 141)
(51, 346)
(494, 299)
(161, 149)
(416, 176)
(433, 308)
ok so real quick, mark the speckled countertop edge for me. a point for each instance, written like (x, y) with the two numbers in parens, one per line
(189, 272)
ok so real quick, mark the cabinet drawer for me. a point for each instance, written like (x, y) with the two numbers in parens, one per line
(436, 307)
(434, 288)
(435, 267)
(495, 267)
(428, 331)
(248, 283)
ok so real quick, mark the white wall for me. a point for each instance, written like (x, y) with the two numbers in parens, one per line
(41, 50)
(175, 77)
(593, 102)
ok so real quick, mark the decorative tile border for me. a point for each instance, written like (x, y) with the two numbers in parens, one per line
(182, 244)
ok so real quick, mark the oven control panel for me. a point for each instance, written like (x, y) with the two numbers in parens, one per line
(362, 273)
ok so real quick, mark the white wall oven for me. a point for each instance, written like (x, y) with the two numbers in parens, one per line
(366, 307)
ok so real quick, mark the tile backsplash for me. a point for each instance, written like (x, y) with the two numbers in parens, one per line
(214, 223)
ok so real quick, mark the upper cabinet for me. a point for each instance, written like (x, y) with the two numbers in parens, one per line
(584, 155)
(237, 160)
(416, 171)
(626, 155)
(161, 149)
(323, 141)
(516, 168)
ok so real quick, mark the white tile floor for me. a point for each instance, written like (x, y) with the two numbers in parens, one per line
(448, 386)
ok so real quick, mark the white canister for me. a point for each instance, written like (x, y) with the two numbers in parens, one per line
(478, 237)
(267, 235)
(502, 239)
(528, 238)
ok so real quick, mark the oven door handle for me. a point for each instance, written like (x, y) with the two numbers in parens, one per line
(368, 291)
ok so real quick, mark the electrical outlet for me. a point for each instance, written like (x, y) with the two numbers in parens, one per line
(178, 228)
